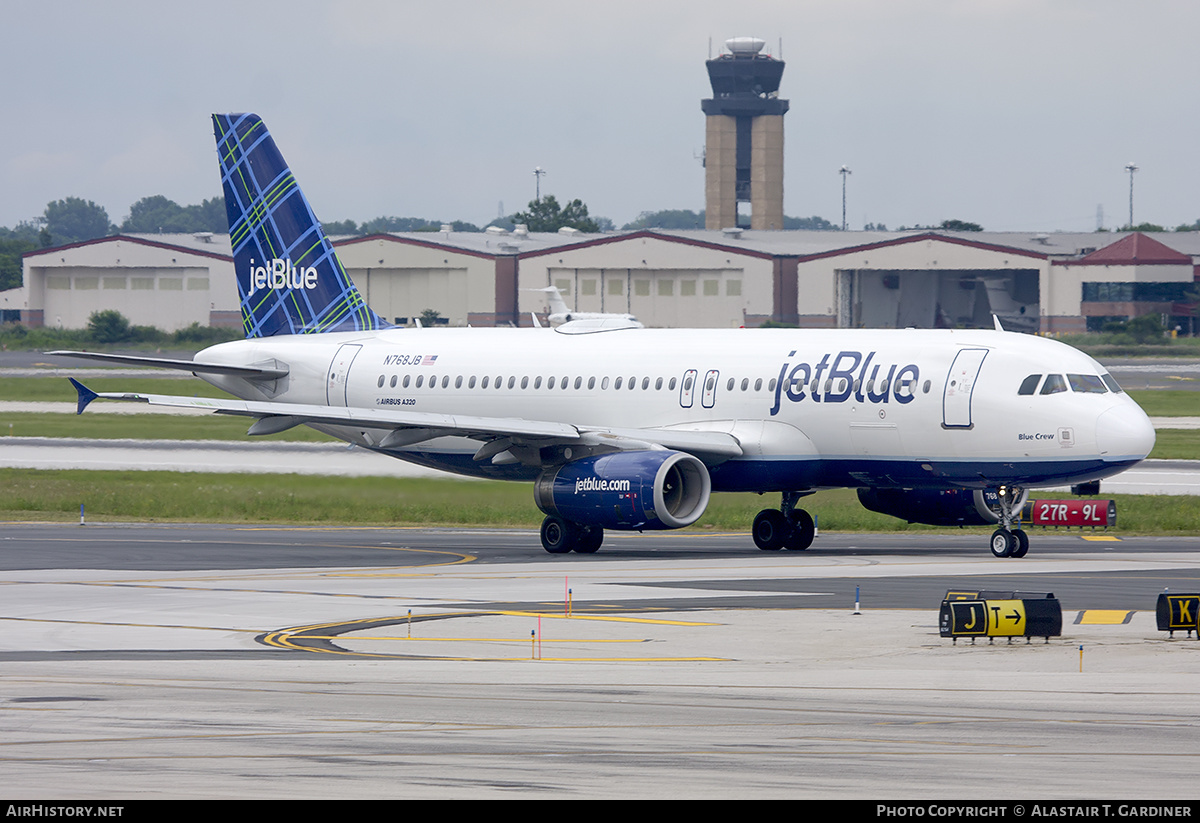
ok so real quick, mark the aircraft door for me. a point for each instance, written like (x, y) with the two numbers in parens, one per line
(960, 385)
(339, 374)
(710, 389)
(687, 388)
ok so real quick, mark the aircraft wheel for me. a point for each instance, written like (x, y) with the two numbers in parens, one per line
(558, 536)
(770, 530)
(1022, 548)
(590, 538)
(1003, 543)
(800, 536)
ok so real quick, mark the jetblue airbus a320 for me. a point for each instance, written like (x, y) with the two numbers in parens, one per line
(634, 428)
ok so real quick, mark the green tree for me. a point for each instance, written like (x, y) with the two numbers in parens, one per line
(340, 227)
(108, 326)
(813, 223)
(668, 219)
(1143, 227)
(74, 220)
(13, 244)
(960, 225)
(547, 215)
(155, 214)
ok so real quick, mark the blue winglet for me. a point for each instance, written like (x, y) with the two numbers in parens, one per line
(86, 395)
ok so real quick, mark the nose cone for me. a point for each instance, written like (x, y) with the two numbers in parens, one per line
(1124, 433)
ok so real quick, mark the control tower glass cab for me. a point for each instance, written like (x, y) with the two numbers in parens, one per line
(744, 137)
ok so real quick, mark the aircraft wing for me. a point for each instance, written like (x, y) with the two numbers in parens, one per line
(409, 427)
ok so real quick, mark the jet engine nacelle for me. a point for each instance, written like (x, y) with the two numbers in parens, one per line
(953, 507)
(653, 489)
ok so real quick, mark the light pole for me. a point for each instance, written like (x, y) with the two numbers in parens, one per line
(843, 171)
(537, 176)
(1131, 168)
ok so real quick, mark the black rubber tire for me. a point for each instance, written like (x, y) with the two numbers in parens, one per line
(1022, 548)
(558, 536)
(590, 538)
(770, 530)
(800, 536)
(1003, 543)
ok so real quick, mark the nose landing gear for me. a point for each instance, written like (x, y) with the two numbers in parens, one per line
(1010, 540)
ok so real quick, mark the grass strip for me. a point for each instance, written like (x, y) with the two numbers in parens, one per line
(31, 494)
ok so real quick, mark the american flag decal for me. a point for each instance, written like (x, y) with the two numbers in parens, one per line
(429, 360)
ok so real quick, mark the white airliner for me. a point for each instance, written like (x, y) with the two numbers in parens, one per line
(634, 428)
(560, 313)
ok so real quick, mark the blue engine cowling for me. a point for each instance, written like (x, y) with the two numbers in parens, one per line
(933, 507)
(627, 490)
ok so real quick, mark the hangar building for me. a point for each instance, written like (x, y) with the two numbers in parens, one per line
(1049, 283)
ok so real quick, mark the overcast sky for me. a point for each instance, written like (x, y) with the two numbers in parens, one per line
(1016, 114)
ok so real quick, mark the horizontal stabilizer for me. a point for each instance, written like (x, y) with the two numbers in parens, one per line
(248, 372)
(86, 395)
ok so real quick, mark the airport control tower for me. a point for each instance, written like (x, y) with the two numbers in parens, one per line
(743, 155)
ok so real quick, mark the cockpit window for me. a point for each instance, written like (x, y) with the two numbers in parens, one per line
(1029, 384)
(1111, 382)
(1086, 383)
(1054, 384)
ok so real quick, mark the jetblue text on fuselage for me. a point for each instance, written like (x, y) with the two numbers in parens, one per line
(838, 378)
(281, 274)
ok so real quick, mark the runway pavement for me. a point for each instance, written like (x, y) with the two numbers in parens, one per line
(207, 661)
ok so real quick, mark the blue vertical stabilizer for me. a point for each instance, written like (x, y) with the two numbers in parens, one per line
(290, 281)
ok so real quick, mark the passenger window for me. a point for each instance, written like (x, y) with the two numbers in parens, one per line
(393, 381)
(1029, 384)
(1054, 384)
(381, 381)
(617, 382)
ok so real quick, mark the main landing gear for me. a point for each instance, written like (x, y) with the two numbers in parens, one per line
(1010, 540)
(562, 536)
(784, 528)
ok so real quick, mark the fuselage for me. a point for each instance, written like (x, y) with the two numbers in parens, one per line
(810, 408)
